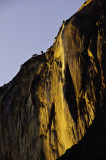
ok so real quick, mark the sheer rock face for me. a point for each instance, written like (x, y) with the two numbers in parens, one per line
(49, 105)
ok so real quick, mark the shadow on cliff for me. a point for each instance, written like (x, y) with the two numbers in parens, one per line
(69, 94)
(92, 146)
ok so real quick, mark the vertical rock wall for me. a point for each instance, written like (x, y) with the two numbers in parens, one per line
(54, 98)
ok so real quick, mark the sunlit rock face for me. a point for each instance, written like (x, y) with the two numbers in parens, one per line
(92, 70)
(49, 105)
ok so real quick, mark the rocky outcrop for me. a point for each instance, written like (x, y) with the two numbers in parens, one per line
(50, 104)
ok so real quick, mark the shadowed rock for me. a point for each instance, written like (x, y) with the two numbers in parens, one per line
(57, 100)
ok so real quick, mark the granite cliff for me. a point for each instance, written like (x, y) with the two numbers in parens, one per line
(57, 100)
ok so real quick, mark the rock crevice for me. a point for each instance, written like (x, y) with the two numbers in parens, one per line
(57, 100)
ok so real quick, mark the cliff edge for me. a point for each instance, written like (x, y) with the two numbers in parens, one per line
(57, 100)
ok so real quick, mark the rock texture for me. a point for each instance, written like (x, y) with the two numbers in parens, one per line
(50, 104)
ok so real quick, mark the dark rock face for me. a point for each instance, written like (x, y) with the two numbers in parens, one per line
(57, 100)
(92, 145)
